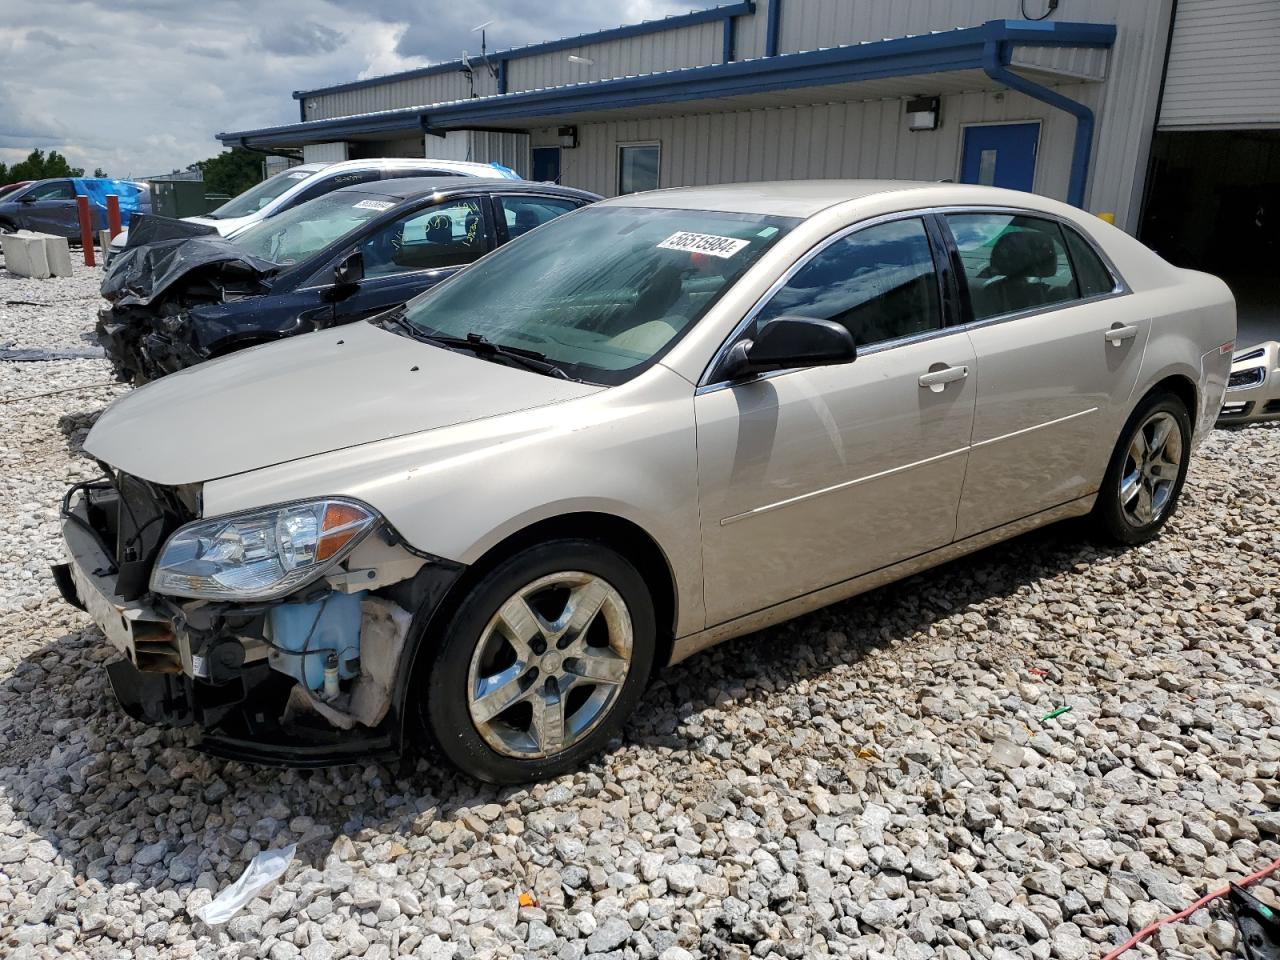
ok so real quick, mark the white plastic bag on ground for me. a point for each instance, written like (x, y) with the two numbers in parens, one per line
(265, 867)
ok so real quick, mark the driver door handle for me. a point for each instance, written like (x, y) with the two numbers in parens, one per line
(1118, 333)
(937, 380)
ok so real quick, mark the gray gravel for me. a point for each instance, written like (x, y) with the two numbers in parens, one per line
(873, 780)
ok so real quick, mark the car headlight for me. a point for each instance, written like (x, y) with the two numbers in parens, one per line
(259, 555)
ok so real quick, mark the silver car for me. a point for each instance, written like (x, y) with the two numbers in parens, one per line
(482, 521)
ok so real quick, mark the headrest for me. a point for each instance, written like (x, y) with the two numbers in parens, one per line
(1023, 254)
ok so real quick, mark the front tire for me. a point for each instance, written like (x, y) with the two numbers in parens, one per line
(1147, 471)
(542, 662)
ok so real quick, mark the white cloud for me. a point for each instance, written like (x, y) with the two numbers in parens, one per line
(141, 86)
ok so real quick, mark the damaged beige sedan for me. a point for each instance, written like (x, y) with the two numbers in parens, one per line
(483, 520)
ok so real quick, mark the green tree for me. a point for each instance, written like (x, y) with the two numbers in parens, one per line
(41, 166)
(99, 172)
(231, 172)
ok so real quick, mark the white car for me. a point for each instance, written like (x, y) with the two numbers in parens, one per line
(1253, 392)
(663, 420)
(307, 181)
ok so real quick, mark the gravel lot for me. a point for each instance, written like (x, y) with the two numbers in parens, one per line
(874, 780)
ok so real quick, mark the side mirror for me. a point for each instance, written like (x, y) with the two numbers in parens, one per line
(27, 199)
(350, 271)
(791, 342)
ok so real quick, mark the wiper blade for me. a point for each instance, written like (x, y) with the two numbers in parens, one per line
(396, 318)
(482, 346)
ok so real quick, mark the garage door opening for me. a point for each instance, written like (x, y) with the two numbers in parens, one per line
(1213, 204)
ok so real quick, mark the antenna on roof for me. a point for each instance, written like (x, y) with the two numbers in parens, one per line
(484, 48)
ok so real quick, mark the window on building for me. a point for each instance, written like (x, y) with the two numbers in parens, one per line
(443, 235)
(879, 282)
(1013, 262)
(638, 166)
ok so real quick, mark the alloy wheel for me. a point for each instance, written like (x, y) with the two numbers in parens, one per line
(549, 665)
(1151, 467)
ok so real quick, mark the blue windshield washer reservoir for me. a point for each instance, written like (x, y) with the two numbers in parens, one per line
(314, 630)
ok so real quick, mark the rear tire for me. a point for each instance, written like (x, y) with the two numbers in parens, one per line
(1147, 471)
(541, 663)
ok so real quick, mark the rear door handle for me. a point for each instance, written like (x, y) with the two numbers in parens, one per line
(1119, 333)
(937, 380)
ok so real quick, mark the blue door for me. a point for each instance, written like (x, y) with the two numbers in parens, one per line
(1000, 155)
(546, 165)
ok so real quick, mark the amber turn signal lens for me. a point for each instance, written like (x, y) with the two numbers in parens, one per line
(342, 522)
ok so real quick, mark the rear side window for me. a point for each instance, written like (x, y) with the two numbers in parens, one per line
(522, 214)
(879, 282)
(1013, 262)
(1091, 273)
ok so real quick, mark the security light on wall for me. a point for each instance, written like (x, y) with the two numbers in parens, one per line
(568, 137)
(923, 113)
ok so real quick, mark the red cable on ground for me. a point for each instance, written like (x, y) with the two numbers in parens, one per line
(1183, 914)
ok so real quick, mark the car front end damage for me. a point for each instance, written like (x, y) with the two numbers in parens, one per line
(1253, 390)
(302, 667)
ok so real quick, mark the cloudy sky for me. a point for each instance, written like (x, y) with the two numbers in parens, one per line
(140, 87)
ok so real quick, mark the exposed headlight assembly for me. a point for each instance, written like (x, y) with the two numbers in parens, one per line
(260, 555)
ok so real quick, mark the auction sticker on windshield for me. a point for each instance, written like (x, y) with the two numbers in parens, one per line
(724, 247)
(374, 205)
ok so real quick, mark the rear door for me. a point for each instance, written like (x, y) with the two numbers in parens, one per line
(1059, 352)
(415, 252)
(517, 214)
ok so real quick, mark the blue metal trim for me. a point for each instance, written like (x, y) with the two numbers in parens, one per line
(996, 55)
(773, 28)
(710, 15)
(963, 49)
(502, 75)
(726, 54)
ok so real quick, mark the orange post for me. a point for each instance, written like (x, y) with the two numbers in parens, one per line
(86, 230)
(113, 214)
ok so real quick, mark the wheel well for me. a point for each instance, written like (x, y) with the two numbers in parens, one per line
(627, 538)
(1182, 388)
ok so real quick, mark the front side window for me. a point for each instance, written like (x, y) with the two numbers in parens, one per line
(446, 234)
(879, 282)
(522, 214)
(638, 166)
(57, 190)
(603, 292)
(1012, 262)
(294, 235)
(257, 197)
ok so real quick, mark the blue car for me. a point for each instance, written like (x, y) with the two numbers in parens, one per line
(49, 206)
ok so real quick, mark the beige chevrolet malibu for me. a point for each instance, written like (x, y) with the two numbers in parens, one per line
(482, 521)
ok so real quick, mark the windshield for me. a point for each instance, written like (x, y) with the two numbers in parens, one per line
(308, 228)
(603, 292)
(255, 198)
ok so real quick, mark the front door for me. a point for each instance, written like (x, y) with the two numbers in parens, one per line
(53, 209)
(546, 165)
(1060, 352)
(811, 477)
(1000, 155)
(415, 252)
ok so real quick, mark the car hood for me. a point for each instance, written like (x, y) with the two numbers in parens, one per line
(304, 396)
(141, 273)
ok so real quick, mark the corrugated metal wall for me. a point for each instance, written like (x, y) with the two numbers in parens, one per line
(324, 152)
(868, 139)
(1224, 66)
(694, 46)
(395, 94)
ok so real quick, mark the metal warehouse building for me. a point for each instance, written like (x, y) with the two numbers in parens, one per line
(1163, 113)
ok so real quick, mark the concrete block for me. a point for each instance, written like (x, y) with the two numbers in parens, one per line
(104, 244)
(24, 255)
(58, 254)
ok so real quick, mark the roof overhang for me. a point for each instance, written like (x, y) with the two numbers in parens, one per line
(949, 61)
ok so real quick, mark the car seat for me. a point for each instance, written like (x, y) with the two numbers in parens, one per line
(526, 220)
(1020, 261)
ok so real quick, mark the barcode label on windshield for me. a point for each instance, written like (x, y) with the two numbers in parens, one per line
(374, 205)
(724, 247)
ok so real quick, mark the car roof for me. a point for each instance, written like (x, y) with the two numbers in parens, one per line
(804, 198)
(407, 188)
